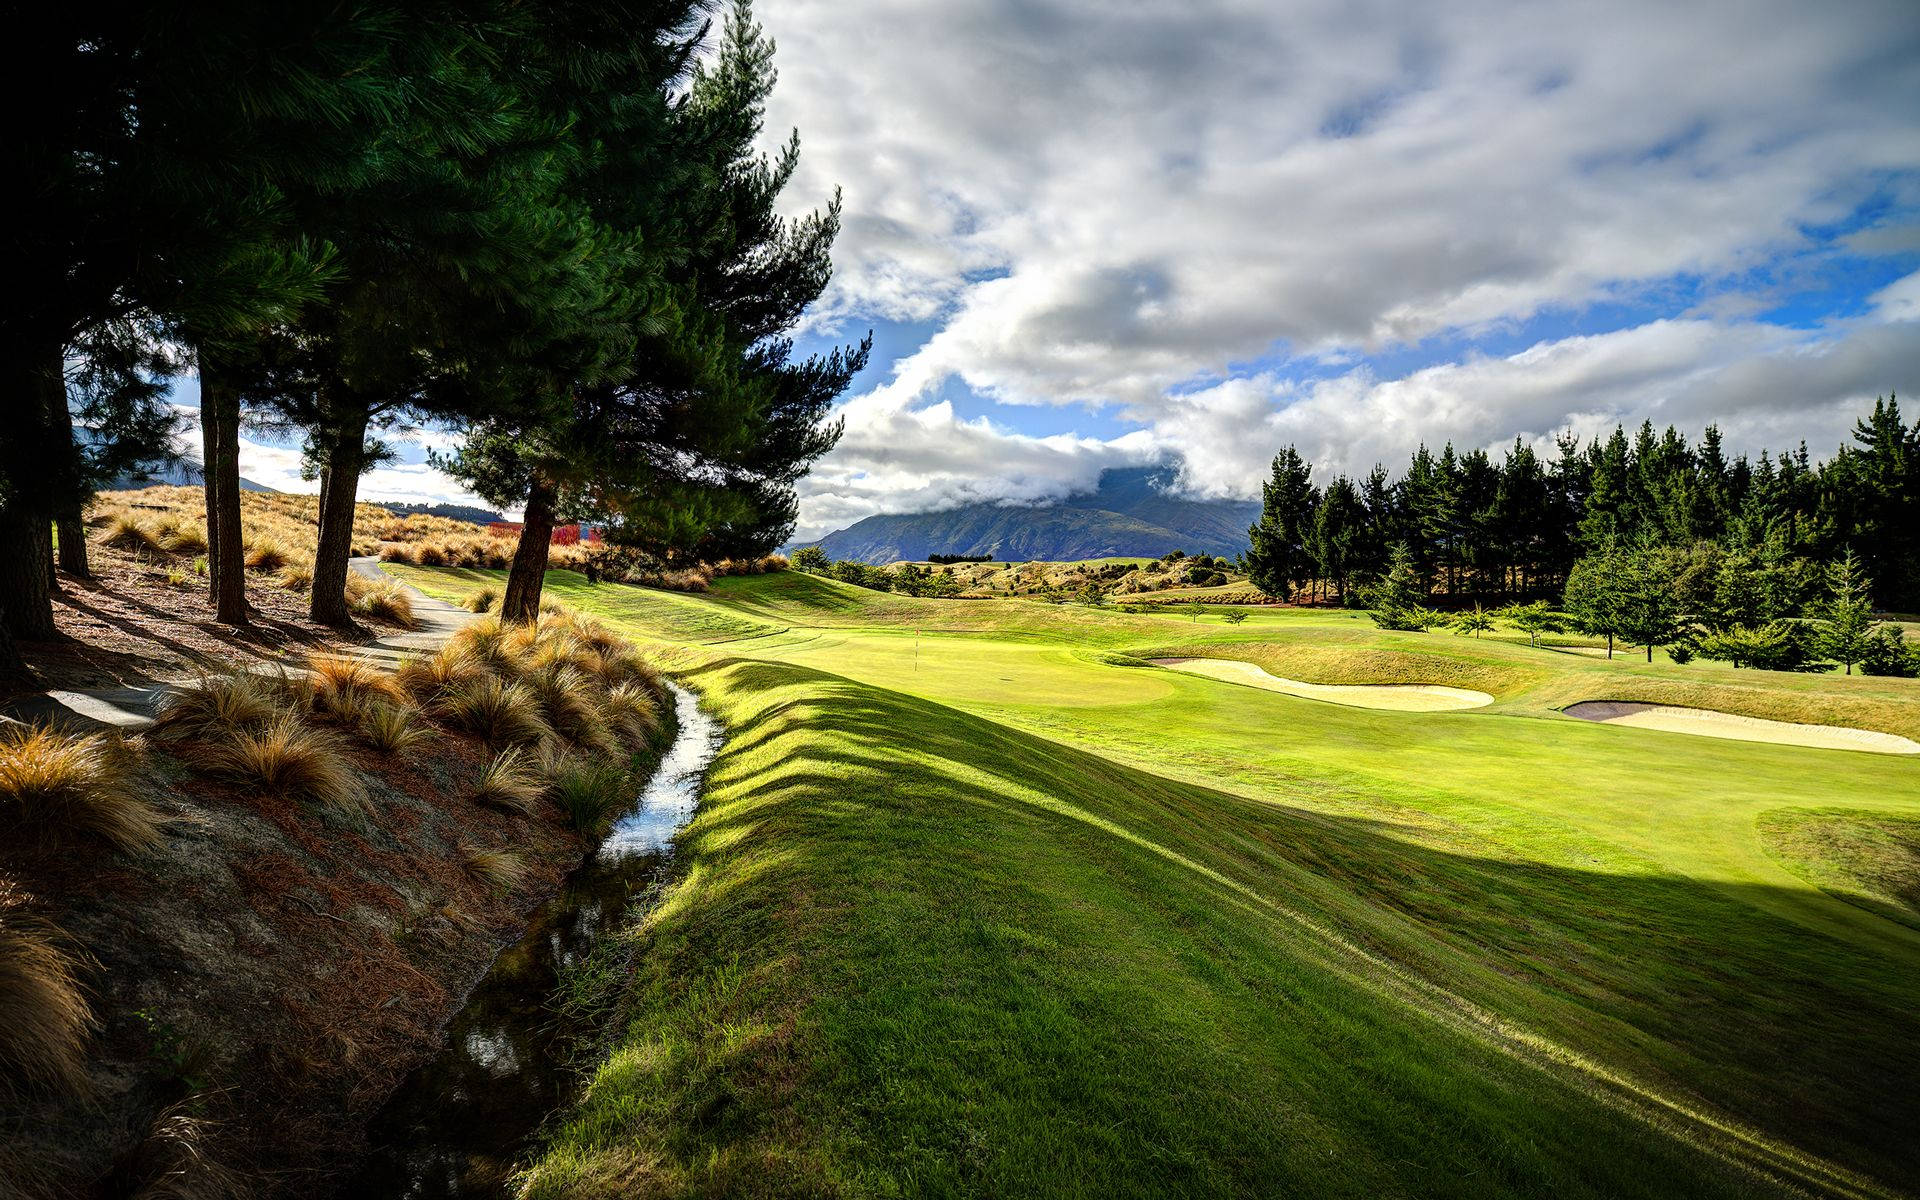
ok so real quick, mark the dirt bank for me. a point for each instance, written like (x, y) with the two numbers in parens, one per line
(269, 972)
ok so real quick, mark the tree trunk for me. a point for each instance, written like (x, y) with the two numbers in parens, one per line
(26, 518)
(1649, 651)
(346, 455)
(220, 440)
(68, 499)
(529, 571)
(1609, 647)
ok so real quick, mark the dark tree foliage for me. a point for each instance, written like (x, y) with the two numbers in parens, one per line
(1754, 534)
(691, 445)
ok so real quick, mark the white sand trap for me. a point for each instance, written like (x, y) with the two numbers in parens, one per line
(1401, 697)
(1708, 723)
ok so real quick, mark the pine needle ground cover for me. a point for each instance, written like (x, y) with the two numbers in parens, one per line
(975, 905)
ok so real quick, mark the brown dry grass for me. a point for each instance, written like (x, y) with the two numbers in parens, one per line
(45, 1019)
(512, 783)
(497, 712)
(221, 704)
(498, 870)
(57, 788)
(288, 758)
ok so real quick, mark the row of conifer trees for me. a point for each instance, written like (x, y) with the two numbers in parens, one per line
(543, 223)
(1477, 529)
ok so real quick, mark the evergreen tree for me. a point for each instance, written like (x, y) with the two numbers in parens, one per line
(1646, 612)
(1608, 515)
(1399, 601)
(1847, 625)
(1280, 559)
(1337, 525)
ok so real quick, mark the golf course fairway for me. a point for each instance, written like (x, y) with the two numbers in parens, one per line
(978, 902)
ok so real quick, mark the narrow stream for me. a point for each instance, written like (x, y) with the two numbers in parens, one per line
(460, 1123)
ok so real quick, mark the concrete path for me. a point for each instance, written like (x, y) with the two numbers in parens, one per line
(134, 708)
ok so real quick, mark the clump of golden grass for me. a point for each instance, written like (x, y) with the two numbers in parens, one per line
(572, 707)
(221, 704)
(44, 1015)
(499, 713)
(482, 601)
(632, 710)
(291, 759)
(390, 728)
(180, 536)
(129, 533)
(380, 600)
(500, 870)
(428, 677)
(265, 554)
(339, 686)
(54, 787)
(511, 783)
(173, 1161)
(296, 576)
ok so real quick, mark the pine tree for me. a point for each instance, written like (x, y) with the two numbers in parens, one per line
(1847, 625)
(1280, 559)
(1399, 602)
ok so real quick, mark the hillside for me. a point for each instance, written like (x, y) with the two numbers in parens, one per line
(970, 869)
(1130, 513)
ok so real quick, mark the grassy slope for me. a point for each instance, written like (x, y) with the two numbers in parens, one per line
(995, 915)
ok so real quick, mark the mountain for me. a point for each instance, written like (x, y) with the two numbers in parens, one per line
(183, 472)
(1129, 513)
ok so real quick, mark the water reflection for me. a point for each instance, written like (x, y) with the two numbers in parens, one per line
(459, 1124)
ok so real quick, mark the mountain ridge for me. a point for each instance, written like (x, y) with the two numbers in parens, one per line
(1129, 512)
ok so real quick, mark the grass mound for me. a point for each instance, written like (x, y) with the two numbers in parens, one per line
(289, 759)
(55, 788)
(44, 1016)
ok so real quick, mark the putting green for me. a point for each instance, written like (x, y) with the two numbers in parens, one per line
(1705, 722)
(1398, 697)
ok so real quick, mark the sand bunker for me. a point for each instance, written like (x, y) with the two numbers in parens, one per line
(1401, 697)
(1708, 723)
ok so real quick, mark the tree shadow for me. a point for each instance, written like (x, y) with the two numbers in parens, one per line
(1713, 1009)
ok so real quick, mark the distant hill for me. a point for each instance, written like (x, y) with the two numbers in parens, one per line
(456, 512)
(182, 473)
(1130, 513)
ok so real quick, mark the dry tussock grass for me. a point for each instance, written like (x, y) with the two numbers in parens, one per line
(429, 677)
(173, 1162)
(497, 712)
(290, 759)
(499, 870)
(391, 728)
(221, 704)
(44, 1016)
(512, 782)
(57, 788)
(380, 600)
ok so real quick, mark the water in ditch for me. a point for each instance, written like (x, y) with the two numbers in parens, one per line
(461, 1123)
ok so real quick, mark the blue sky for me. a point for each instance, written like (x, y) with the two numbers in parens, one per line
(1199, 230)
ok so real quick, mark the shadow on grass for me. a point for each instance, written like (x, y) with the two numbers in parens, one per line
(1375, 992)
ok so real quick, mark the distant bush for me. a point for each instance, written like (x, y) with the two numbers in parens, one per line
(949, 559)
(810, 558)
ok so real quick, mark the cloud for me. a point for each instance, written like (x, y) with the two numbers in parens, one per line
(278, 467)
(1121, 207)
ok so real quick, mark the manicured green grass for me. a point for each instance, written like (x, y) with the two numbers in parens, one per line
(983, 910)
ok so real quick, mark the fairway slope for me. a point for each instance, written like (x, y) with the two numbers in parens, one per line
(1705, 722)
(1396, 697)
(978, 903)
